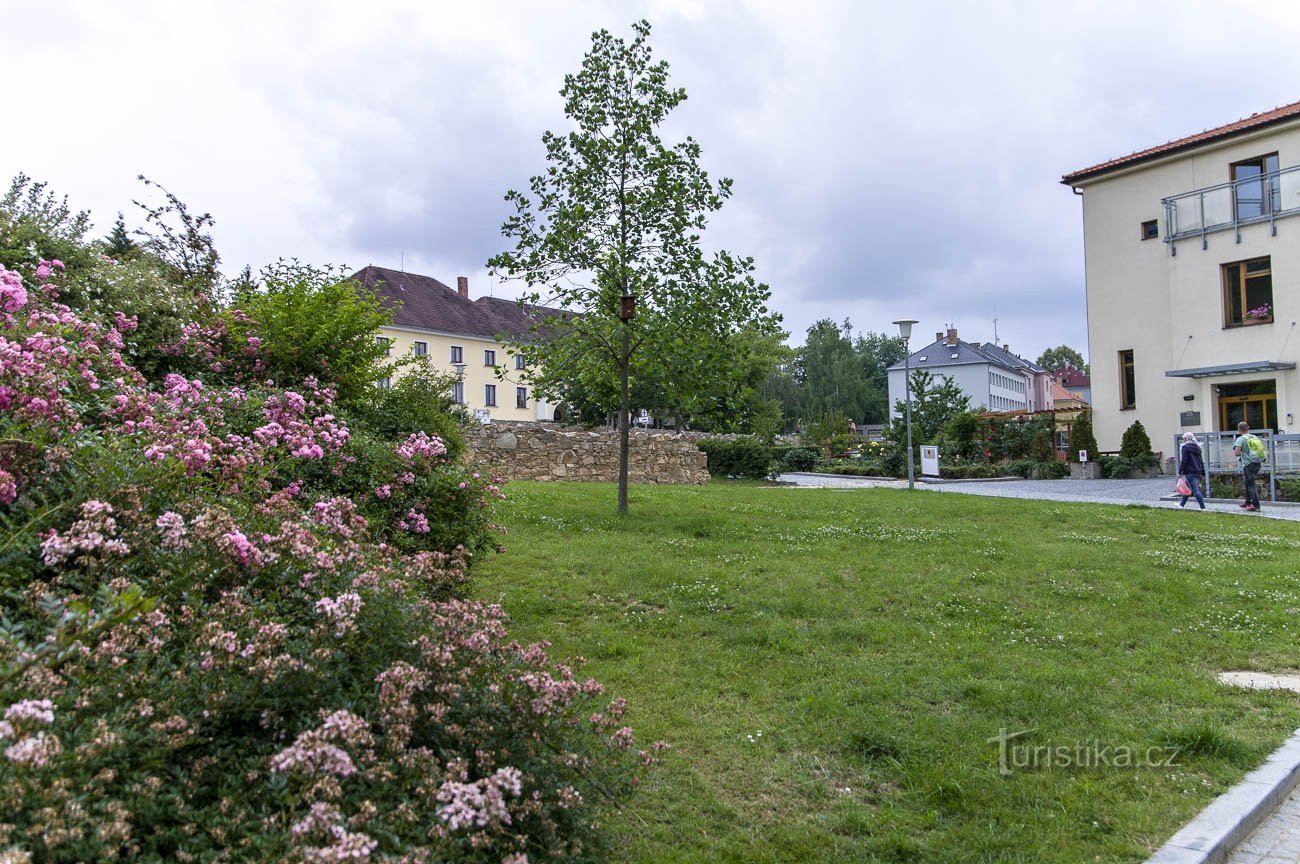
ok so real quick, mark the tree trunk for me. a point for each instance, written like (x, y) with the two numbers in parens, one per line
(624, 419)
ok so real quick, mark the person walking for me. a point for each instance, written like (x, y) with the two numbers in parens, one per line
(1250, 462)
(1191, 468)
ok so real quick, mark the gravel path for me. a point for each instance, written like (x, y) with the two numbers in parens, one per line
(1146, 492)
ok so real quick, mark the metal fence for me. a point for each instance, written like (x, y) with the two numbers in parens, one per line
(1216, 448)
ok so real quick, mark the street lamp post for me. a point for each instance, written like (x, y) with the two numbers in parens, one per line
(905, 333)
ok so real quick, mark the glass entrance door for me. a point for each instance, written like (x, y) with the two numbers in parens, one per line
(1259, 411)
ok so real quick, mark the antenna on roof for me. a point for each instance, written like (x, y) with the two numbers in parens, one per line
(402, 258)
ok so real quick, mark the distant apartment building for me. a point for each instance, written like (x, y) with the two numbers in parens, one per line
(993, 377)
(1193, 281)
(465, 338)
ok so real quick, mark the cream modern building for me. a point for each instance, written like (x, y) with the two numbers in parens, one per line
(1193, 281)
(462, 337)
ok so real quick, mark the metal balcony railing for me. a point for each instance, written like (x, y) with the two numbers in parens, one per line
(1262, 198)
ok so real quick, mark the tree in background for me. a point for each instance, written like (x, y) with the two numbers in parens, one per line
(1056, 359)
(611, 233)
(118, 244)
(838, 373)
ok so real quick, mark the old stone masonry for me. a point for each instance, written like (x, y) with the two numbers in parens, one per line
(535, 452)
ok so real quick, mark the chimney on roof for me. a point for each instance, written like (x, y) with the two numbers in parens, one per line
(952, 336)
(938, 336)
(462, 286)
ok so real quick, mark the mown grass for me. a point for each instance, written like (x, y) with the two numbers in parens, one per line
(828, 665)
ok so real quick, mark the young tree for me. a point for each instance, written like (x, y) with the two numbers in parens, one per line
(1056, 359)
(118, 244)
(611, 233)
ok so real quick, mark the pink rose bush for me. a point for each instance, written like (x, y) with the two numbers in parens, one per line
(232, 626)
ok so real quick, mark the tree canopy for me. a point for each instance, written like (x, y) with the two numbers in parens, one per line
(1056, 359)
(611, 231)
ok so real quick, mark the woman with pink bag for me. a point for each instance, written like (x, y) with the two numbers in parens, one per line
(1191, 471)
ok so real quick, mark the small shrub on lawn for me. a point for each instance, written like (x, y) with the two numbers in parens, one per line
(741, 458)
(1082, 438)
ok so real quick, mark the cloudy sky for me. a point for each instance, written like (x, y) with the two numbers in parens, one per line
(890, 160)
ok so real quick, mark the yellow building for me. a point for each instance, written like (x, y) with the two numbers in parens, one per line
(463, 337)
(1192, 270)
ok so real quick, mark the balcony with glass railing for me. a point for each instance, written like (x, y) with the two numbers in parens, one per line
(1260, 198)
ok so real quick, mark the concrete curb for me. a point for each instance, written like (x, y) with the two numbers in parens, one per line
(1232, 816)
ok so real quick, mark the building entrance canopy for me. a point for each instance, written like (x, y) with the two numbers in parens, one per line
(1230, 369)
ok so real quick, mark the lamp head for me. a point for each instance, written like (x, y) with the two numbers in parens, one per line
(905, 328)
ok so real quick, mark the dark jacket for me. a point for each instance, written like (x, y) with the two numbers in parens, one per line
(1191, 462)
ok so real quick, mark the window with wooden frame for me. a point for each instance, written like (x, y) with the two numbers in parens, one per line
(1127, 380)
(457, 354)
(1248, 292)
(1255, 190)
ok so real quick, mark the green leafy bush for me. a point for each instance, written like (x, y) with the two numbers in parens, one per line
(1081, 438)
(799, 459)
(746, 458)
(1136, 444)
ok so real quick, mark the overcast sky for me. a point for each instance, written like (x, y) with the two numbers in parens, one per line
(890, 160)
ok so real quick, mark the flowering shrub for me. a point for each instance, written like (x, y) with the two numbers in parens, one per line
(1260, 313)
(231, 629)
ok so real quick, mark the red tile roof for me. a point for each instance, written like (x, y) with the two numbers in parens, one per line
(1071, 377)
(1254, 121)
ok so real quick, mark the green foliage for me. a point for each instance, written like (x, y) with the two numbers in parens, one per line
(313, 322)
(118, 244)
(828, 433)
(1081, 438)
(1136, 444)
(797, 458)
(934, 403)
(419, 400)
(1040, 449)
(1056, 359)
(960, 438)
(835, 373)
(741, 458)
(36, 225)
(623, 211)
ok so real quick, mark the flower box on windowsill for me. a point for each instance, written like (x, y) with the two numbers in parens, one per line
(1249, 322)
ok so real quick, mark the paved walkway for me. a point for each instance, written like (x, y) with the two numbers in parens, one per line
(1145, 492)
(1276, 841)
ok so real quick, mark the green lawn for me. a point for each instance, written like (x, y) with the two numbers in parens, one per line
(828, 665)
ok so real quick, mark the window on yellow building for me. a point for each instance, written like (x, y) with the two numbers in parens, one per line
(1248, 292)
(521, 397)
(420, 349)
(457, 354)
(1127, 380)
(490, 395)
(489, 358)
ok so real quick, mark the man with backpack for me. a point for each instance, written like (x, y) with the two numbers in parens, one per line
(1251, 453)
